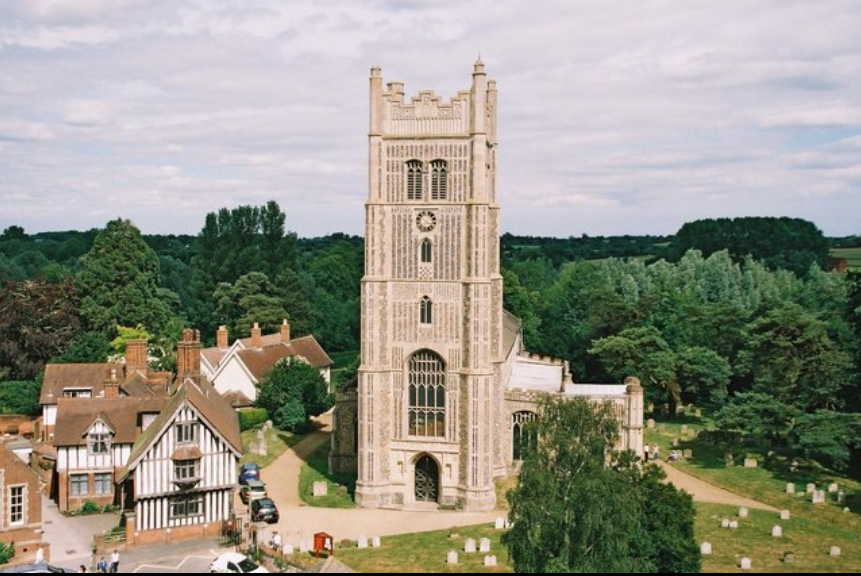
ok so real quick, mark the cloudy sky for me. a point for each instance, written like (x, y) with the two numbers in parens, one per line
(623, 116)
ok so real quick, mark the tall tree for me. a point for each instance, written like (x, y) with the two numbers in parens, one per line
(292, 393)
(119, 282)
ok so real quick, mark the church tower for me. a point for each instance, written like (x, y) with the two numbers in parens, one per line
(430, 384)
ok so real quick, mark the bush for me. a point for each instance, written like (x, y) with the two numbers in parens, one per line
(21, 398)
(252, 418)
(7, 552)
(89, 508)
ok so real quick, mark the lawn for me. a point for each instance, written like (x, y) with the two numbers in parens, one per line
(277, 443)
(316, 469)
(427, 552)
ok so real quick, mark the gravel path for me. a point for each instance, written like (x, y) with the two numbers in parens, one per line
(707, 493)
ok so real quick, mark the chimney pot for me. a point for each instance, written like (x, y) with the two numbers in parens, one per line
(222, 338)
(285, 332)
(137, 355)
(256, 336)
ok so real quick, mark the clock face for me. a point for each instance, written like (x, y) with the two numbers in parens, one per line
(426, 221)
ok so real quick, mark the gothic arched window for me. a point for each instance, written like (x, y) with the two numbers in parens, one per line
(427, 251)
(426, 311)
(439, 180)
(522, 435)
(415, 178)
(427, 395)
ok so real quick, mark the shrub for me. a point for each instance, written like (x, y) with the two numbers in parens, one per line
(90, 508)
(7, 552)
(252, 418)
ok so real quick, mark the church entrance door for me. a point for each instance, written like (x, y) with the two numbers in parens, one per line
(427, 480)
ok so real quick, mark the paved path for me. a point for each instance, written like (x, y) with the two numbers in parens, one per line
(707, 493)
(72, 538)
(300, 521)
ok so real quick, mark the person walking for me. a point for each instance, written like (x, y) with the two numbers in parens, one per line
(648, 451)
(115, 562)
(102, 566)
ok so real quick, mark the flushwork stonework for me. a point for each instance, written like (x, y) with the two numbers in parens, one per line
(445, 387)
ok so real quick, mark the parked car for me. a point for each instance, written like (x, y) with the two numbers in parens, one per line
(264, 510)
(42, 568)
(254, 490)
(233, 563)
(248, 472)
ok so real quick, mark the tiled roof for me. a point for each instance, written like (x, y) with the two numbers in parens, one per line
(260, 361)
(59, 377)
(75, 417)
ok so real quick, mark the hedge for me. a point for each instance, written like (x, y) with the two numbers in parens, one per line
(252, 418)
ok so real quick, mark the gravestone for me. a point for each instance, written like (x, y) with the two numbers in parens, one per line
(677, 442)
(688, 454)
(777, 532)
(750, 463)
(698, 413)
(836, 552)
(746, 564)
(790, 488)
(724, 524)
(452, 559)
(841, 497)
(743, 513)
(485, 546)
(304, 547)
(500, 523)
(288, 549)
(819, 497)
(706, 549)
(321, 489)
(490, 561)
(785, 515)
(833, 488)
(363, 542)
(376, 542)
(733, 525)
(650, 424)
(684, 430)
(789, 558)
(729, 461)
(811, 488)
(469, 547)
(262, 448)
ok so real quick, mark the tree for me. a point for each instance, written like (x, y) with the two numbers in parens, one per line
(755, 414)
(252, 300)
(829, 437)
(293, 392)
(14, 233)
(21, 398)
(38, 321)
(704, 376)
(119, 281)
(88, 348)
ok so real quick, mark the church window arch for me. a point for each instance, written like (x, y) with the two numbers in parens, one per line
(415, 180)
(523, 436)
(439, 180)
(427, 402)
(426, 311)
(427, 251)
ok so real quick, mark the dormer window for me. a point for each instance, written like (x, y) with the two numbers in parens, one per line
(99, 443)
(187, 471)
(186, 433)
(78, 393)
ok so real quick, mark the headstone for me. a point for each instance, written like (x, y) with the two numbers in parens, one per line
(777, 532)
(500, 523)
(789, 558)
(846, 510)
(321, 489)
(452, 559)
(785, 515)
(485, 546)
(750, 463)
(490, 561)
(733, 525)
(650, 424)
(684, 430)
(676, 442)
(836, 552)
(841, 497)
(469, 546)
(724, 524)
(376, 542)
(304, 547)
(743, 513)
(269, 425)
(698, 413)
(729, 460)
(262, 448)
(811, 488)
(819, 497)
(746, 565)
(288, 550)
(706, 549)
(833, 489)
(363, 542)
(790, 488)
(688, 454)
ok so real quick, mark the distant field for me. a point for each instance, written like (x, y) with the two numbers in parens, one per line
(852, 255)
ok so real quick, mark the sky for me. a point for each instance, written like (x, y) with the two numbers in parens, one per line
(622, 117)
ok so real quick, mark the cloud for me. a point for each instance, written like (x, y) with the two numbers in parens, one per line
(822, 116)
(21, 131)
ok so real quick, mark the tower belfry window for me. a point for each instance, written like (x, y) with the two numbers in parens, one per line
(415, 180)
(427, 251)
(427, 409)
(426, 311)
(439, 180)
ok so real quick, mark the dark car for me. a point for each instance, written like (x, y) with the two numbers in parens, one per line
(42, 568)
(264, 510)
(248, 472)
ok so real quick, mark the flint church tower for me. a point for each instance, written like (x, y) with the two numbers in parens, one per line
(432, 323)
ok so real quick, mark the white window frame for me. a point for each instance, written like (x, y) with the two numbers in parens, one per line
(22, 505)
(99, 439)
(181, 439)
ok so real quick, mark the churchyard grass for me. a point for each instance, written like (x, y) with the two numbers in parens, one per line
(277, 443)
(420, 553)
(316, 469)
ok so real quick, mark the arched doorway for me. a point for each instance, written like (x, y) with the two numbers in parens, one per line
(427, 480)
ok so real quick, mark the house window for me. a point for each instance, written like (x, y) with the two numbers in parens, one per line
(186, 433)
(427, 251)
(187, 470)
(415, 177)
(439, 180)
(80, 485)
(80, 393)
(16, 505)
(427, 395)
(186, 507)
(103, 485)
(426, 311)
(99, 443)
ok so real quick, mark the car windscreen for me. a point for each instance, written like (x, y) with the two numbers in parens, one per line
(247, 566)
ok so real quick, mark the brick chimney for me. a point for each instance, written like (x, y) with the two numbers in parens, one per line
(137, 356)
(188, 354)
(256, 336)
(221, 337)
(112, 386)
(285, 332)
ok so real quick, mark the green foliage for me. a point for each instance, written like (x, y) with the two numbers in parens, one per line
(573, 511)
(7, 552)
(704, 376)
(20, 398)
(119, 282)
(292, 393)
(125, 334)
(88, 348)
(829, 437)
(780, 243)
(252, 418)
(757, 414)
(252, 300)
